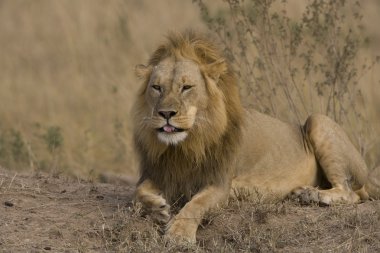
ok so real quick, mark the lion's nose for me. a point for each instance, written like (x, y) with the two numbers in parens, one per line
(167, 114)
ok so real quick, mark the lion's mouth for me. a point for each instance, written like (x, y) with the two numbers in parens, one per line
(170, 129)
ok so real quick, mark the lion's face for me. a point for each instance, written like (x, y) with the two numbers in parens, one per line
(176, 91)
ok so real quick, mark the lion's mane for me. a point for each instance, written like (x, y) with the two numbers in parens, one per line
(207, 155)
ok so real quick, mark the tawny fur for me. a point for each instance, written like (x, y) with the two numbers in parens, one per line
(227, 148)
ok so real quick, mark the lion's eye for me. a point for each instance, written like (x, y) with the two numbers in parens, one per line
(186, 87)
(156, 87)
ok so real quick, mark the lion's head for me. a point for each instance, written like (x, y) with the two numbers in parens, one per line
(175, 97)
(189, 94)
(188, 112)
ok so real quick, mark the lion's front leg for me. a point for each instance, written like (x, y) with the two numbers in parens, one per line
(184, 225)
(153, 202)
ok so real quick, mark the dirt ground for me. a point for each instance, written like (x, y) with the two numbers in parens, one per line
(52, 213)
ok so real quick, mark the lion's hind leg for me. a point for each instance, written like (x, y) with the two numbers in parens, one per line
(339, 161)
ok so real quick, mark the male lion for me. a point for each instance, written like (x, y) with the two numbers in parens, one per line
(197, 143)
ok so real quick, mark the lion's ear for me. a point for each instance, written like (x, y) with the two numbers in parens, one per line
(216, 69)
(142, 71)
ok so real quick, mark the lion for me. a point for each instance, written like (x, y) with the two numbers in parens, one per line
(197, 144)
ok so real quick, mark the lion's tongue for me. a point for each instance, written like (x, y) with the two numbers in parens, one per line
(169, 129)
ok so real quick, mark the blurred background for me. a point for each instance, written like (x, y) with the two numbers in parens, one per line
(67, 82)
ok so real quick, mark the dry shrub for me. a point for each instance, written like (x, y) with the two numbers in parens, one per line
(293, 65)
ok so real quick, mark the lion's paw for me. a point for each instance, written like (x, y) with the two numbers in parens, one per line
(306, 195)
(160, 214)
(181, 231)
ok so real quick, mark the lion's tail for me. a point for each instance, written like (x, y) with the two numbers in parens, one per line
(372, 186)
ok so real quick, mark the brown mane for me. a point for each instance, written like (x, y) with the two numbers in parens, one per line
(206, 156)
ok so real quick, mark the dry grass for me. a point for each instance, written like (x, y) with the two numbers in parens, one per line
(41, 212)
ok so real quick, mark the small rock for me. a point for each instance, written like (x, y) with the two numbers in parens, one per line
(47, 248)
(8, 203)
(93, 190)
(100, 197)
